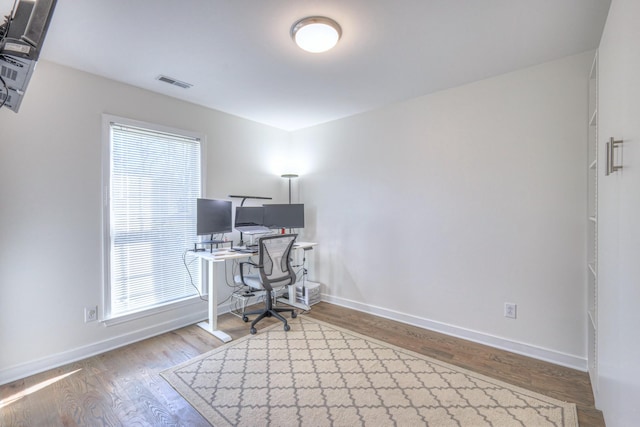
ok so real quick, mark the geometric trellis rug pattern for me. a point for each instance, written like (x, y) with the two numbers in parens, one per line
(318, 374)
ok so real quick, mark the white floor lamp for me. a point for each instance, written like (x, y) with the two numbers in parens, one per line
(289, 176)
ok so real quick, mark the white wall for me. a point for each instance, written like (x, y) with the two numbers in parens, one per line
(438, 210)
(493, 171)
(50, 208)
(618, 385)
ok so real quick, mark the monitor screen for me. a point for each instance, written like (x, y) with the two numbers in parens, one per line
(214, 216)
(247, 216)
(284, 216)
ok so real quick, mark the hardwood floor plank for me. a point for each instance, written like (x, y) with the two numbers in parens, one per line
(123, 386)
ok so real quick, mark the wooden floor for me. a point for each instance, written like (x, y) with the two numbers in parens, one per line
(123, 388)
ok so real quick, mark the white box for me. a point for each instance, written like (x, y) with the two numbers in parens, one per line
(308, 294)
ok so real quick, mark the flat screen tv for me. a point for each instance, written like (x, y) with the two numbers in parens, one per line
(21, 37)
(25, 30)
(284, 215)
(213, 217)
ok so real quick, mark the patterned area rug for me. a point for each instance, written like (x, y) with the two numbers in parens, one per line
(322, 375)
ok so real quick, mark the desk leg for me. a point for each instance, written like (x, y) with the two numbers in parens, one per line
(212, 325)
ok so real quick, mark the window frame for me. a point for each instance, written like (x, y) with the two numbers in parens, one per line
(107, 119)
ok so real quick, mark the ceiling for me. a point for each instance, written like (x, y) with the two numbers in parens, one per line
(240, 59)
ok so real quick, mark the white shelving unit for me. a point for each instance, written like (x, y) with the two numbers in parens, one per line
(592, 224)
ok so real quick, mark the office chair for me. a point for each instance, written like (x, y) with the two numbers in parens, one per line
(274, 267)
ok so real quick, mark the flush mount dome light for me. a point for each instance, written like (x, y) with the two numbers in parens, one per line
(316, 33)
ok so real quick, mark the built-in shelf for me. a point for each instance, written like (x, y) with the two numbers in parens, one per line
(592, 229)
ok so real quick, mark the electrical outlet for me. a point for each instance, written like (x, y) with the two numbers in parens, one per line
(90, 314)
(510, 310)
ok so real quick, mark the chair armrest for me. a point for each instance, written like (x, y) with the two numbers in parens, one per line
(248, 262)
(242, 264)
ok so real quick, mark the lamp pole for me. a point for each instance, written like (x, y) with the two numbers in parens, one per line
(289, 176)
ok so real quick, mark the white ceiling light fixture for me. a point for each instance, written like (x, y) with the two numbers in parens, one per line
(316, 34)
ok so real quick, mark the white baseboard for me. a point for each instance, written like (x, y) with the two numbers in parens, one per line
(23, 370)
(552, 356)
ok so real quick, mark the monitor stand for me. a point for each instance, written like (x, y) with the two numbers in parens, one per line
(210, 243)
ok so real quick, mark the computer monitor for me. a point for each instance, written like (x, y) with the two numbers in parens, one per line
(250, 220)
(284, 215)
(213, 217)
(248, 216)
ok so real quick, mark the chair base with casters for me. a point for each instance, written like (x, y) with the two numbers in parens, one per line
(269, 311)
(275, 272)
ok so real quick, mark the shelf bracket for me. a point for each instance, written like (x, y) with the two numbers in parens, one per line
(610, 148)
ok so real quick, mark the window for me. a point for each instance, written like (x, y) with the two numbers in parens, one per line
(152, 181)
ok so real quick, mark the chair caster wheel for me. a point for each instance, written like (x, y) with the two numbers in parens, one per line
(253, 331)
(294, 315)
(245, 319)
(287, 327)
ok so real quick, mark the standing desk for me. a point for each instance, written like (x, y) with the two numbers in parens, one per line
(210, 260)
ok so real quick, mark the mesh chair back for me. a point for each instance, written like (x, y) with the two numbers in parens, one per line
(274, 256)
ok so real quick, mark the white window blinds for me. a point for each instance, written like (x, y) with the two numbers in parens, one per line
(155, 179)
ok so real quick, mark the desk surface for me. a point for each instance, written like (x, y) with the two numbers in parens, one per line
(223, 254)
(304, 245)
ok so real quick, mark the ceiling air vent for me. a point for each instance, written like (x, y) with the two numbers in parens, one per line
(174, 82)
